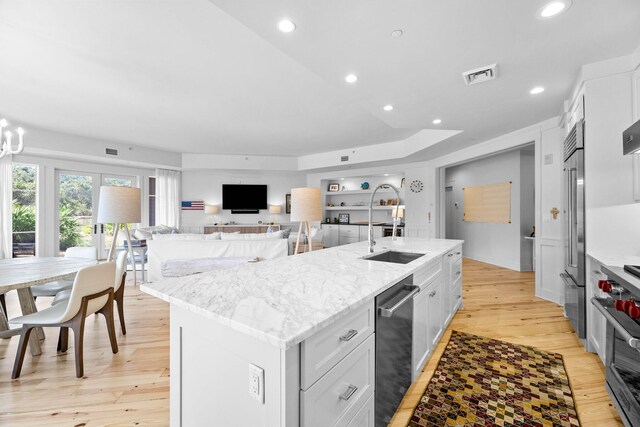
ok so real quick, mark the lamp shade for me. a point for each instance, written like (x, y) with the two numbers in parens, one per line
(400, 212)
(119, 205)
(275, 209)
(306, 204)
(211, 209)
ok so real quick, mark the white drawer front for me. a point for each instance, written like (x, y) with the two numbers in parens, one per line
(323, 350)
(345, 240)
(424, 275)
(365, 416)
(456, 271)
(457, 253)
(352, 230)
(338, 396)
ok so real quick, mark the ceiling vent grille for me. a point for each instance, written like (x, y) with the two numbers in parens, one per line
(480, 75)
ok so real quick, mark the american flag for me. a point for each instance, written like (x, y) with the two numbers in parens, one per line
(194, 205)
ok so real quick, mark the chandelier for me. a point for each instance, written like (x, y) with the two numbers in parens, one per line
(6, 146)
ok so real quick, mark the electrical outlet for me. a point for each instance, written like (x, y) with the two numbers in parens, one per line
(256, 383)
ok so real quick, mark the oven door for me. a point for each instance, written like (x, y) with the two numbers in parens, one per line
(622, 361)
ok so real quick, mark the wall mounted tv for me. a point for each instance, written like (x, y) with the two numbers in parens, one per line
(243, 198)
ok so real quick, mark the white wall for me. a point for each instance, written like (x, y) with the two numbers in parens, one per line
(207, 185)
(498, 244)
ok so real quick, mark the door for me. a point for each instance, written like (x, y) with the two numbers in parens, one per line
(450, 213)
(77, 209)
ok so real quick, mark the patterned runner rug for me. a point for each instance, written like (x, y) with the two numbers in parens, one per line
(486, 382)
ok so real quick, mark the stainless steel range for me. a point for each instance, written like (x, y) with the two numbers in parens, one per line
(574, 277)
(622, 355)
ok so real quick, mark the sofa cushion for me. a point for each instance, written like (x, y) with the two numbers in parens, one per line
(183, 236)
(253, 236)
(212, 236)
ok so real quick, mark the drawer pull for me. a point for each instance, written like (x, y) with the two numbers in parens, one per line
(450, 255)
(458, 273)
(347, 394)
(459, 296)
(458, 253)
(347, 337)
(432, 294)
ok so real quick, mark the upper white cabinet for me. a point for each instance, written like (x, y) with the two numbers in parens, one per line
(636, 117)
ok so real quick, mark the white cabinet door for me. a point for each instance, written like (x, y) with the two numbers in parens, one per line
(420, 332)
(596, 322)
(330, 235)
(435, 312)
(636, 117)
(349, 234)
(364, 231)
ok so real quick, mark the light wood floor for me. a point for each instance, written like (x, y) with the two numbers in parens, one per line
(132, 387)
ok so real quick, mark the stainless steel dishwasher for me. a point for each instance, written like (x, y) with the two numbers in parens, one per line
(394, 340)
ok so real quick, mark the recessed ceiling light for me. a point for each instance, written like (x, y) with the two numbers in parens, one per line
(553, 8)
(437, 121)
(397, 33)
(386, 174)
(388, 107)
(286, 26)
(536, 90)
(351, 78)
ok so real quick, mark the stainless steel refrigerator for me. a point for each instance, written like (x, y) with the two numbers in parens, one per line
(574, 277)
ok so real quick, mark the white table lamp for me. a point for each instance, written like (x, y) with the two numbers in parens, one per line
(212, 210)
(274, 210)
(306, 206)
(120, 206)
(400, 212)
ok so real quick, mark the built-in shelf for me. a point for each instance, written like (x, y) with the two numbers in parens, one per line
(357, 208)
(344, 193)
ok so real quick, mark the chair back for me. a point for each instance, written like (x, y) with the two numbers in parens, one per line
(121, 269)
(90, 280)
(89, 252)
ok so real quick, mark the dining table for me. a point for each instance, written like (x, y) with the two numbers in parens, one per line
(20, 274)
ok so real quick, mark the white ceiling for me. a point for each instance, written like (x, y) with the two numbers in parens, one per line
(217, 76)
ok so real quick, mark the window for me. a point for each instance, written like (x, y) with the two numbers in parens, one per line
(152, 201)
(24, 210)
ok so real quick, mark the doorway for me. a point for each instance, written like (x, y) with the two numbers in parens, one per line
(77, 209)
(450, 213)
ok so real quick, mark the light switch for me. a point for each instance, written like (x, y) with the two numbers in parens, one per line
(256, 383)
(548, 159)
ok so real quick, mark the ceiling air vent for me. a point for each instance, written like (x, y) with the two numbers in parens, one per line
(480, 75)
(111, 151)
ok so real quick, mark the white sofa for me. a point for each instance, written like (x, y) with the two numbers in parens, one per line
(193, 247)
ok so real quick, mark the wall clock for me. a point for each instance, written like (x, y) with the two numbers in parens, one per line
(416, 186)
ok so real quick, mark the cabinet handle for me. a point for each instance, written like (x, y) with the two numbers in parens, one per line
(459, 296)
(458, 253)
(450, 255)
(347, 337)
(432, 294)
(597, 272)
(457, 273)
(347, 394)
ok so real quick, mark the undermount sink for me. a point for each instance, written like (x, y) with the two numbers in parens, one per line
(395, 257)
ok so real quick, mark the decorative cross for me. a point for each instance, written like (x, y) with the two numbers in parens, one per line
(555, 212)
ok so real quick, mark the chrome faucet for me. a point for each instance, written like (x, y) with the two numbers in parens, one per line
(395, 220)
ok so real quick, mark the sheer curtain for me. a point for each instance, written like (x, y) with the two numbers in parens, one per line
(168, 185)
(6, 200)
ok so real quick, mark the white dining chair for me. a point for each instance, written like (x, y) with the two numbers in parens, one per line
(118, 289)
(52, 288)
(92, 292)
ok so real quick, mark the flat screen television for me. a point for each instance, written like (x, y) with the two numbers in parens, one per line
(244, 198)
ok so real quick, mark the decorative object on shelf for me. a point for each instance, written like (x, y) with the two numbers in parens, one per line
(6, 145)
(327, 220)
(383, 202)
(212, 210)
(416, 186)
(287, 204)
(392, 202)
(119, 206)
(344, 188)
(402, 183)
(192, 205)
(342, 204)
(334, 187)
(335, 220)
(306, 207)
(343, 218)
(364, 185)
(259, 222)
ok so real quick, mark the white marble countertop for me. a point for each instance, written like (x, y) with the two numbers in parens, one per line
(615, 260)
(283, 301)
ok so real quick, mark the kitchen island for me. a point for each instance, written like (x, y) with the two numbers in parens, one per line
(290, 341)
